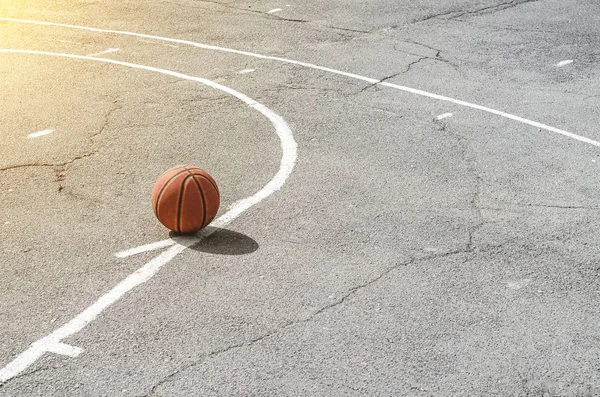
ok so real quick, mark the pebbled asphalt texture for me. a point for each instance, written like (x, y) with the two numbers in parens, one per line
(406, 255)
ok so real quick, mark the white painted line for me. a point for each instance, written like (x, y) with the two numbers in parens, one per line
(52, 342)
(563, 63)
(445, 115)
(40, 133)
(315, 67)
(494, 111)
(321, 68)
(274, 10)
(103, 52)
(64, 349)
(145, 248)
(515, 285)
(32, 354)
(246, 71)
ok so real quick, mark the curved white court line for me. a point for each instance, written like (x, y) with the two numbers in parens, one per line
(370, 80)
(52, 342)
(322, 68)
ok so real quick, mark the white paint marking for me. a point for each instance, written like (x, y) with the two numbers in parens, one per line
(246, 71)
(103, 52)
(563, 63)
(146, 247)
(274, 10)
(515, 285)
(52, 342)
(317, 67)
(445, 115)
(32, 355)
(64, 349)
(494, 111)
(40, 133)
(321, 68)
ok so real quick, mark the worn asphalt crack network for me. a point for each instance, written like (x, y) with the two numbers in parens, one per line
(453, 14)
(420, 57)
(340, 301)
(61, 168)
(280, 18)
(475, 199)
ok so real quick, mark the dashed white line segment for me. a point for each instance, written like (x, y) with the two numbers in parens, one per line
(444, 116)
(103, 52)
(40, 133)
(564, 63)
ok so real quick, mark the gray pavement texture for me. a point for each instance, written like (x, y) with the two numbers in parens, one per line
(404, 256)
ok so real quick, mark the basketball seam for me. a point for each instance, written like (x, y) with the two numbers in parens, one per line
(211, 182)
(201, 196)
(162, 190)
(181, 191)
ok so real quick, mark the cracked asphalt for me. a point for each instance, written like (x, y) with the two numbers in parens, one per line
(406, 255)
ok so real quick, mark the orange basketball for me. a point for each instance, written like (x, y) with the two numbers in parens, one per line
(185, 199)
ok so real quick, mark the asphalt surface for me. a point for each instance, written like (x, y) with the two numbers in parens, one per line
(404, 256)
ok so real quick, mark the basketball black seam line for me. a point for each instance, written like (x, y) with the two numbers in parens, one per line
(205, 177)
(162, 190)
(181, 191)
(213, 185)
(199, 186)
(201, 196)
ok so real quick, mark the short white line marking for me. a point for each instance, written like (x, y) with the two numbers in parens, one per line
(445, 115)
(274, 10)
(288, 160)
(515, 285)
(146, 247)
(322, 68)
(40, 133)
(103, 52)
(246, 71)
(494, 111)
(64, 349)
(563, 63)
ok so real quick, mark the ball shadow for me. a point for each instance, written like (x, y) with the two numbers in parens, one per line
(223, 242)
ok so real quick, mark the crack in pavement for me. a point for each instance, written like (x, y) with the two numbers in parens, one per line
(290, 323)
(474, 201)
(26, 374)
(436, 57)
(553, 206)
(61, 168)
(378, 82)
(265, 14)
(480, 11)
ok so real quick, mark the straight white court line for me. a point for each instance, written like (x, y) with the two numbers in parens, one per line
(103, 52)
(52, 342)
(40, 133)
(444, 116)
(325, 69)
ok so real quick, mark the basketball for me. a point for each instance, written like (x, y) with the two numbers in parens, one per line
(185, 199)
